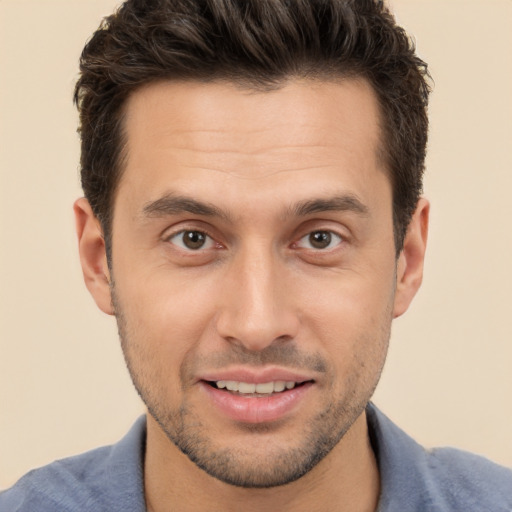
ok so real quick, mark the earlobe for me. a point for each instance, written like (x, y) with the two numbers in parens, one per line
(412, 256)
(93, 256)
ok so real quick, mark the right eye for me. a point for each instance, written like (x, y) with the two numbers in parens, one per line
(192, 240)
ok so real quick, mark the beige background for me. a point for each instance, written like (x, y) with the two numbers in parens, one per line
(63, 386)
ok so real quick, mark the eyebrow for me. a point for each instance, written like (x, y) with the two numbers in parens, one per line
(342, 203)
(172, 204)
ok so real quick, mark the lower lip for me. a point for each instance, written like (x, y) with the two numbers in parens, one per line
(251, 409)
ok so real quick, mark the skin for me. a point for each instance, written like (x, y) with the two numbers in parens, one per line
(273, 168)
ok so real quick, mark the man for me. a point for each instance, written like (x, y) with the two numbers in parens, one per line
(253, 218)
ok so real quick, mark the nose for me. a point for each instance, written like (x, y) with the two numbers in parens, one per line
(255, 305)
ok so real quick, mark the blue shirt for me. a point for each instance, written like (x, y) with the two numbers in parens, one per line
(110, 479)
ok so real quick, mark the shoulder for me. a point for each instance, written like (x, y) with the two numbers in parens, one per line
(459, 477)
(104, 479)
(65, 485)
(438, 480)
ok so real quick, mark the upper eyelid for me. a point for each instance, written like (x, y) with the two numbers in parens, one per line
(314, 226)
(331, 231)
(171, 231)
(181, 231)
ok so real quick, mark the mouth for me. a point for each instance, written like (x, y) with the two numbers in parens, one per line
(258, 402)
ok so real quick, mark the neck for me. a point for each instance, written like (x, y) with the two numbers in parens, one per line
(347, 479)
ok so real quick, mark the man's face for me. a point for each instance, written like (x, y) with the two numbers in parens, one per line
(253, 250)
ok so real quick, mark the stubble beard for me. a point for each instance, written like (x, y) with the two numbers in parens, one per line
(235, 466)
(240, 468)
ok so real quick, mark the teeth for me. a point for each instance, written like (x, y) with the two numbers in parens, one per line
(265, 388)
(244, 387)
(232, 385)
(279, 386)
(268, 387)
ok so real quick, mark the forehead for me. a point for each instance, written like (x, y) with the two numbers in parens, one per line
(191, 110)
(189, 134)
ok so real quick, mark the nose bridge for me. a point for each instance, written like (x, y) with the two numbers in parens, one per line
(256, 311)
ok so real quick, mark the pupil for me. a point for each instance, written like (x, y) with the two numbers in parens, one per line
(320, 239)
(194, 239)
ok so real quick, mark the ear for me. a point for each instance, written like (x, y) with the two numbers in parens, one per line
(410, 260)
(93, 257)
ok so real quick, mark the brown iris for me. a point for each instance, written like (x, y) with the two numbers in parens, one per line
(194, 239)
(320, 239)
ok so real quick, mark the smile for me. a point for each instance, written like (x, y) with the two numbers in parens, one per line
(261, 402)
(248, 388)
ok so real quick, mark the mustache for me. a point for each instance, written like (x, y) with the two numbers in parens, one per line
(287, 355)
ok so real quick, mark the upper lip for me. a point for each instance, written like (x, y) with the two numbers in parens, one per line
(255, 375)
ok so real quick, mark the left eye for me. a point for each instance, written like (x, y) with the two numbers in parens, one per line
(192, 240)
(320, 240)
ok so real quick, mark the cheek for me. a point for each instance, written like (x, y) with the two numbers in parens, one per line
(351, 313)
(168, 314)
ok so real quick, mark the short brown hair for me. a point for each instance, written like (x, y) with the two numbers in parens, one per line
(258, 44)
